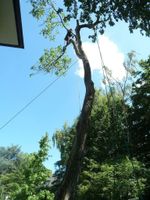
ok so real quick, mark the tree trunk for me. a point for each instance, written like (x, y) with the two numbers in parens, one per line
(73, 168)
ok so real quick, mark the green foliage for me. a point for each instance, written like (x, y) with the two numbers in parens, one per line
(136, 13)
(54, 60)
(63, 139)
(95, 15)
(48, 62)
(107, 134)
(111, 180)
(140, 113)
(28, 180)
(38, 8)
(105, 130)
(9, 158)
(107, 172)
(140, 117)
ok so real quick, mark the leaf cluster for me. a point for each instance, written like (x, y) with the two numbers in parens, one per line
(49, 62)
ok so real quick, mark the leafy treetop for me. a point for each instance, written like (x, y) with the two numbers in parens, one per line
(95, 15)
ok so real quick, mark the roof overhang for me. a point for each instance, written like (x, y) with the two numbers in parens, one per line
(10, 24)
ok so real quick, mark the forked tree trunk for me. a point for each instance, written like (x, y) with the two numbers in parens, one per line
(67, 188)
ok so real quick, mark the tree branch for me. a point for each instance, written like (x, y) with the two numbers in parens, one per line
(57, 58)
(62, 21)
(92, 25)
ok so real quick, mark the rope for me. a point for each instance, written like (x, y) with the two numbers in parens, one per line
(127, 141)
(105, 75)
(102, 63)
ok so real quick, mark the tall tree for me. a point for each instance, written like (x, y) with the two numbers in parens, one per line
(80, 15)
(140, 117)
(140, 113)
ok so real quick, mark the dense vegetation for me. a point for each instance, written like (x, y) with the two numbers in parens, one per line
(23, 176)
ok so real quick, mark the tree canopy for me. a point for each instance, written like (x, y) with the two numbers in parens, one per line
(95, 15)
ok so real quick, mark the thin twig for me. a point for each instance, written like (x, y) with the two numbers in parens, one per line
(62, 21)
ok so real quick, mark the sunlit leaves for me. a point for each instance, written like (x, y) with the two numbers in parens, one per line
(38, 8)
(112, 180)
(53, 61)
(50, 26)
(27, 181)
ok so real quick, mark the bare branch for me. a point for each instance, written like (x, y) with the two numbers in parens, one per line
(62, 21)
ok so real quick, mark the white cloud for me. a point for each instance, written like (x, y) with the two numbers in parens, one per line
(112, 57)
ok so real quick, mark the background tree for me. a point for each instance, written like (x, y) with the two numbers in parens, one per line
(140, 117)
(140, 113)
(108, 171)
(27, 181)
(94, 15)
(9, 158)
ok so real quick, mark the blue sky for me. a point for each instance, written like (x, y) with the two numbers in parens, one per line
(62, 101)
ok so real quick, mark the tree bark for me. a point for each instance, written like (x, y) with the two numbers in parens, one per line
(73, 168)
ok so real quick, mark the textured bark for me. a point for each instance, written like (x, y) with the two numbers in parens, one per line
(67, 188)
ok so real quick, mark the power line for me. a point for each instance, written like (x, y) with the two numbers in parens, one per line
(33, 99)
